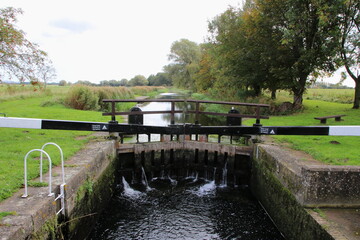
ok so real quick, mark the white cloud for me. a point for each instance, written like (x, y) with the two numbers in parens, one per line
(71, 26)
(115, 39)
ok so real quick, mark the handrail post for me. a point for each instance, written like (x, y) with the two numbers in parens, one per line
(257, 116)
(113, 118)
(197, 109)
(172, 118)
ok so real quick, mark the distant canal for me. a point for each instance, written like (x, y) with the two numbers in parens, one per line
(164, 119)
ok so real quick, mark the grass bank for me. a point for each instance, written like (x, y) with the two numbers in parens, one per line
(15, 143)
(23, 101)
(336, 150)
(333, 150)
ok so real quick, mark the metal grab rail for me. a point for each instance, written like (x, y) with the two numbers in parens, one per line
(197, 111)
(25, 172)
(61, 157)
(61, 196)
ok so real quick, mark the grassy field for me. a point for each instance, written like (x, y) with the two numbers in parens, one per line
(23, 101)
(15, 143)
(337, 150)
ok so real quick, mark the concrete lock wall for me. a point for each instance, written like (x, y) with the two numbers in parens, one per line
(284, 182)
(289, 184)
(89, 191)
(313, 184)
(89, 179)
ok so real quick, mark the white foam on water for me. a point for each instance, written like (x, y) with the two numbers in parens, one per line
(205, 190)
(145, 181)
(129, 192)
(172, 181)
(224, 177)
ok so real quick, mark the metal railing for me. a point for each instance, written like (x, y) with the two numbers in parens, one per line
(197, 110)
(25, 195)
(61, 196)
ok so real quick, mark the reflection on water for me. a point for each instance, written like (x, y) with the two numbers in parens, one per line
(180, 118)
(188, 210)
(164, 119)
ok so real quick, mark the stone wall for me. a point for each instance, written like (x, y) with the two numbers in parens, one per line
(89, 176)
(290, 184)
(313, 183)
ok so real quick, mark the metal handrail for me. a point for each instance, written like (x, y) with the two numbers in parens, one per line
(61, 157)
(25, 172)
(113, 112)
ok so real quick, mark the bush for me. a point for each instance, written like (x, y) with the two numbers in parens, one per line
(90, 98)
(82, 98)
(144, 90)
(112, 93)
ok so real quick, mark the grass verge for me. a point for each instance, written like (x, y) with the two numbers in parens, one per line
(336, 150)
(15, 143)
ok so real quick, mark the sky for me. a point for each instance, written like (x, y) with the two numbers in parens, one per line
(115, 39)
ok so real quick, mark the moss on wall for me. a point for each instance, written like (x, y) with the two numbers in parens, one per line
(289, 216)
(50, 230)
(91, 198)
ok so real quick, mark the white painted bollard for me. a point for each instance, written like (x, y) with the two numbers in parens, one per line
(25, 171)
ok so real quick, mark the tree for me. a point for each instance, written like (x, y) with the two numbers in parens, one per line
(309, 35)
(123, 82)
(46, 72)
(350, 43)
(245, 50)
(276, 44)
(114, 83)
(19, 57)
(138, 80)
(185, 56)
(205, 78)
(160, 79)
(62, 83)
(84, 82)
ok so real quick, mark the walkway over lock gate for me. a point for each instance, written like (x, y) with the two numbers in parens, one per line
(197, 111)
(180, 129)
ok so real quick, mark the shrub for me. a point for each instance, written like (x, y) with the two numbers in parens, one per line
(112, 93)
(82, 98)
(144, 90)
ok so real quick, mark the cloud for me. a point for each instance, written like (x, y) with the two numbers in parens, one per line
(71, 25)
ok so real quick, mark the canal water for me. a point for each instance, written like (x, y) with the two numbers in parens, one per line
(188, 208)
(180, 118)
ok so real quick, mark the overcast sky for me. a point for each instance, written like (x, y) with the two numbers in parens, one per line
(113, 39)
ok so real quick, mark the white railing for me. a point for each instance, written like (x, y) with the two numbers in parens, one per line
(62, 160)
(25, 172)
(61, 196)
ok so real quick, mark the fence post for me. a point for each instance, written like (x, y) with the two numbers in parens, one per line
(172, 119)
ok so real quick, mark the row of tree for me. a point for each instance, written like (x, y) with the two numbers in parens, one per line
(160, 79)
(264, 45)
(272, 45)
